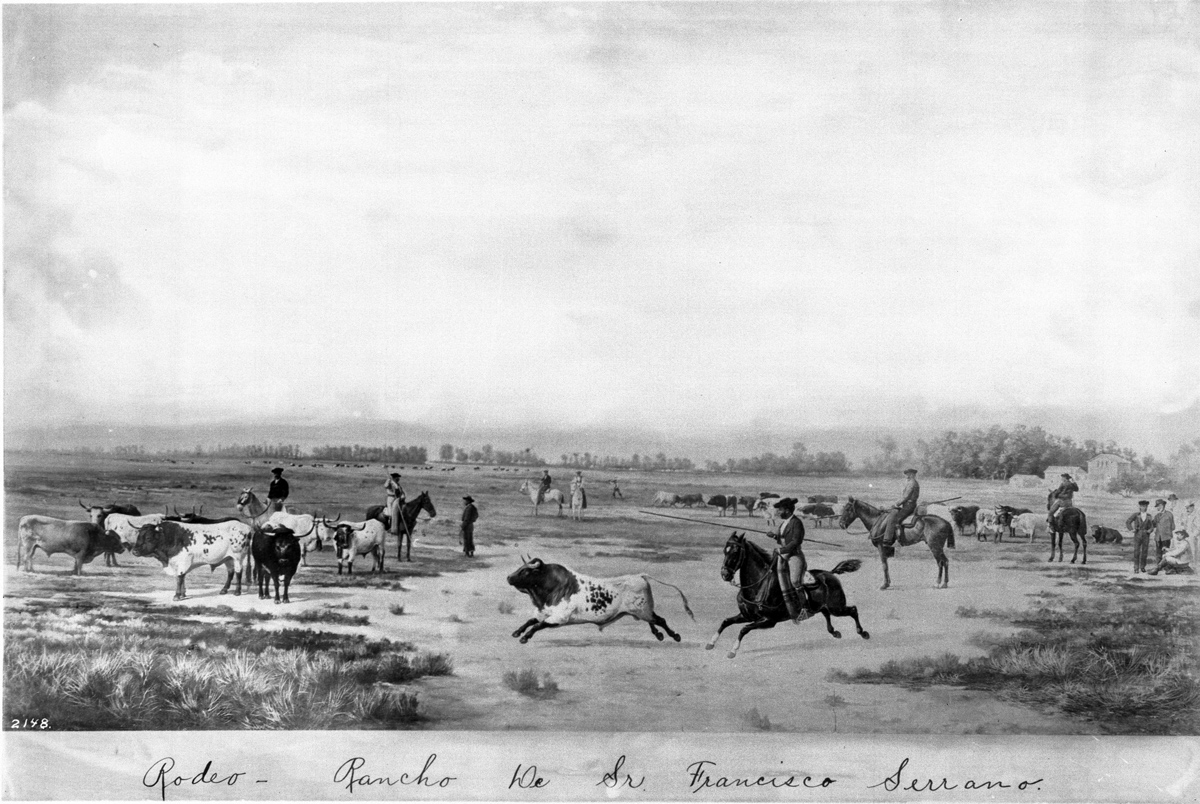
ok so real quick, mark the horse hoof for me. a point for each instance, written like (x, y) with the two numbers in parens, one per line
(710, 646)
(659, 637)
(865, 635)
(223, 592)
(837, 634)
(885, 586)
(276, 602)
(731, 655)
(524, 640)
(675, 637)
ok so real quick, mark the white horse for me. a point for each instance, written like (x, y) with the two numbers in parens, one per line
(551, 495)
(303, 525)
(577, 501)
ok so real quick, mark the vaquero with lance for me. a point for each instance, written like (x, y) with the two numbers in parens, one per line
(791, 566)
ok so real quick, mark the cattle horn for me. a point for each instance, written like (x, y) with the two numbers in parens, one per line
(81, 505)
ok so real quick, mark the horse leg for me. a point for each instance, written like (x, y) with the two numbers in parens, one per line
(1083, 538)
(754, 626)
(829, 624)
(887, 578)
(737, 618)
(1053, 535)
(408, 541)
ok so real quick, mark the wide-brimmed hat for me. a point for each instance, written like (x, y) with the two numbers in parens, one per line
(1191, 504)
(394, 474)
(1160, 503)
(910, 471)
(1143, 502)
(786, 502)
(278, 470)
(469, 499)
(1066, 475)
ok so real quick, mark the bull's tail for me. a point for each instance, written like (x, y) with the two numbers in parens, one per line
(686, 607)
(849, 565)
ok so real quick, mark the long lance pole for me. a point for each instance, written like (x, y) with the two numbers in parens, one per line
(723, 525)
(939, 502)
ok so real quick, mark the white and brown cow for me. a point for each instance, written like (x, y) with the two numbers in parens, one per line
(82, 541)
(565, 597)
(353, 539)
(181, 547)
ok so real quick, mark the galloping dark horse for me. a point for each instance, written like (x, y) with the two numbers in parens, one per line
(933, 530)
(760, 601)
(408, 519)
(1072, 522)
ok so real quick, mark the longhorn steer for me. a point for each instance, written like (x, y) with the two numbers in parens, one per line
(565, 597)
(182, 547)
(99, 514)
(352, 539)
(666, 498)
(83, 541)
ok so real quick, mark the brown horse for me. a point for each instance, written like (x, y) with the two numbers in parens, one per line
(933, 530)
(1070, 521)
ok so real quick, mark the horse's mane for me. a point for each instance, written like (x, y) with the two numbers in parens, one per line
(758, 551)
(870, 508)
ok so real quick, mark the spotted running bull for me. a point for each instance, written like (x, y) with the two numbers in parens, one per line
(565, 597)
(183, 547)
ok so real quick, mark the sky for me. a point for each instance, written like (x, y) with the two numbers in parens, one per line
(623, 214)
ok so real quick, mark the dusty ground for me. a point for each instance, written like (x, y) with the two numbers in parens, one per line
(622, 678)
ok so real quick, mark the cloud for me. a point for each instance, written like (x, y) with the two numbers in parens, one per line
(579, 212)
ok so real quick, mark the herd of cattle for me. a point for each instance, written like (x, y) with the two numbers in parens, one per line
(276, 546)
(817, 509)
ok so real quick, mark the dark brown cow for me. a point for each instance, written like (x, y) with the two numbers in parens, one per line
(83, 541)
(276, 553)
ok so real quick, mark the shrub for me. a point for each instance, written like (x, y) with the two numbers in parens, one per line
(526, 682)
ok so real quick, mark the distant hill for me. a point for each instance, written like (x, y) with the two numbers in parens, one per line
(1158, 435)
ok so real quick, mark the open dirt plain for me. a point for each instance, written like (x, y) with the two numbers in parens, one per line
(621, 679)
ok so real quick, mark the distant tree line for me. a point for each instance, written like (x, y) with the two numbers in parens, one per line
(487, 454)
(357, 452)
(659, 462)
(799, 462)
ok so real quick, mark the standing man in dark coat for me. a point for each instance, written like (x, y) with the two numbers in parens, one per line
(903, 509)
(791, 565)
(1164, 527)
(277, 492)
(1142, 525)
(469, 515)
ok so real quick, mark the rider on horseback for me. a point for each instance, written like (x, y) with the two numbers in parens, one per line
(791, 565)
(902, 510)
(546, 481)
(1062, 497)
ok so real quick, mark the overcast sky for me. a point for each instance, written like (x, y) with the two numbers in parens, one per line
(665, 215)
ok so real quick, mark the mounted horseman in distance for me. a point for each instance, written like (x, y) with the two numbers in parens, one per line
(1061, 498)
(277, 492)
(888, 529)
(394, 494)
(1063, 518)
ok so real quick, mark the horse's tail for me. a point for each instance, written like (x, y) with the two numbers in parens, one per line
(1082, 530)
(849, 565)
(686, 607)
(950, 538)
